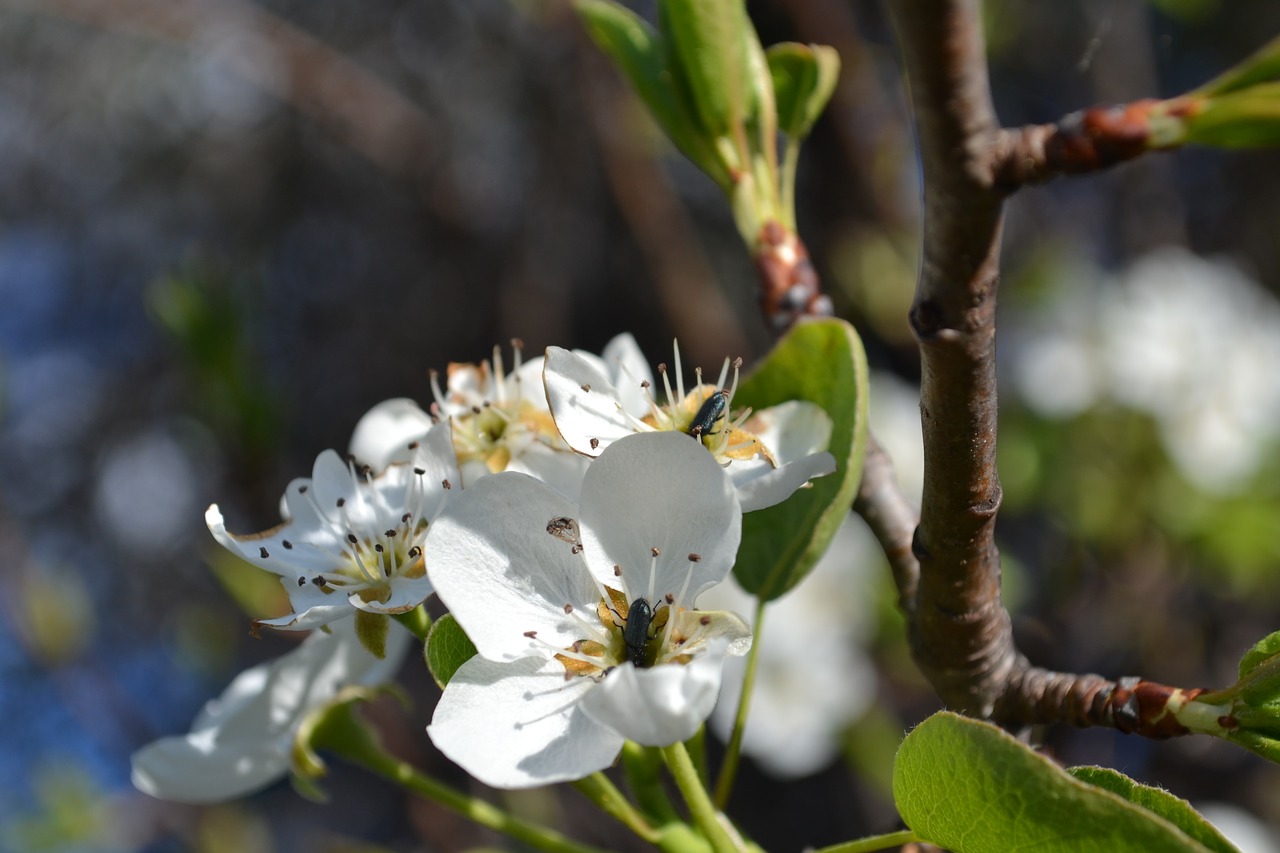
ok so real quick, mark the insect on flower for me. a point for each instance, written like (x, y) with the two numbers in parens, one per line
(711, 410)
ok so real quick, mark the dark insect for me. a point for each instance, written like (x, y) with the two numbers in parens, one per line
(711, 410)
(564, 528)
(636, 633)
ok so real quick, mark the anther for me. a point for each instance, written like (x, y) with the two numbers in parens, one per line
(695, 558)
(341, 502)
(302, 581)
(262, 552)
(377, 546)
(353, 539)
(413, 445)
(655, 551)
(532, 635)
(704, 621)
(447, 485)
(318, 581)
(617, 571)
(302, 490)
(415, 552)
(404, 519)
(391, 534)
(586, 387)
(568, 608)
(419, 471)
(670, 599)
(288, 546)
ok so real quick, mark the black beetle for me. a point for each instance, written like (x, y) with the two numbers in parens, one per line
(636, 632)
(711, 410)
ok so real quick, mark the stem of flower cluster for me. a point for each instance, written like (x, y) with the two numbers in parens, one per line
(704, 813)
(873, 842)
(600, 790)
(416, 620)
(729, 769)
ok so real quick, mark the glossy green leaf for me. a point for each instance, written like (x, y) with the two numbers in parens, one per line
(638, 51)
(448, 647)
(1262, 66)
(972, 788)
(803, 79)
(705, 40)
(1158, 801)
(821, 361)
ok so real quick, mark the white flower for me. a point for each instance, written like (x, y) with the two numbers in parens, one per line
(797, 721)
(768, 456)
(352, 540)
(583, 613)
(500, 420)
(242, 741)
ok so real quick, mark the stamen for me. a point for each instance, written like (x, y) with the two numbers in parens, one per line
(675, 347)
(262, 552)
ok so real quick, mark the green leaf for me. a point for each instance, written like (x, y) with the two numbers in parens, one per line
(448, 647)
(1262, 66)
(706, 42)
(803, 79)
(970, 787)
(1158, 801)
(1267, 647)
(1249, 118)
(821, 361)
(640, 55)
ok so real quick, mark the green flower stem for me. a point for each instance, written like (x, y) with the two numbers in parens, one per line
(348, 737)
(643, 766)
(697, 746)
(729, 769)
(600, 790)
(873, 842)
(416, 620)
(704, 813)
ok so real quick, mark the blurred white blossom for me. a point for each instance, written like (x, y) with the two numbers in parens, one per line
(1191, 341)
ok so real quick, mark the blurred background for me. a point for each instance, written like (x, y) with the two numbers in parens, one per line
(229, 228)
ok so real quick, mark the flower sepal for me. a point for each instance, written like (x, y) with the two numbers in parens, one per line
(336, 727)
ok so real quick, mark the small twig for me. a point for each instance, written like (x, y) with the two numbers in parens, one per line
(891, 518)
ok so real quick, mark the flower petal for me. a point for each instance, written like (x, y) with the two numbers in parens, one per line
(584, 403)
(385, 432)
(762, 485)
(561, 469)
(659, 490)
(406, 594)
(628, 371)
(240, 742)
(520, 724)
(661, 705)
(797, 432)
(502, 574)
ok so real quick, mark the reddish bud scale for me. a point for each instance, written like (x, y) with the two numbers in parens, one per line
(789, 286)
(1141, 707)
(1099, 137)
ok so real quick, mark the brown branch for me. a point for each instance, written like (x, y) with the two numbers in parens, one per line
(891, 518)
(961, 635)
(1087, 141)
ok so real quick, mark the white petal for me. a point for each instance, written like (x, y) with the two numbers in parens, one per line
(792, 430)
(526, 384)
(305, 618)
(661, 705)
(628, 369)
(562, 470)
(520, 724)
(583, 415)
(662, 490)
(762, 485)
(241, 741)
(406, 594)
(501, 573)
(331, 482)
(383, 435)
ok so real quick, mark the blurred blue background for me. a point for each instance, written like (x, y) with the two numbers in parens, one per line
(228, 229)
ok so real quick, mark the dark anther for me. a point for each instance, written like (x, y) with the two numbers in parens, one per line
(656, 551)
(695, 558)
(705, 620)
(262, 552)
(302, 490)
(341, 502)
(447, 485)
(390, 534)
(671, 599)
(617, 571)
(288, 546)
(568, 608)
(302, 581)
(595, 444)
(414, 552)
(419, 471)
(378, 547)
(413, 445)
(586, 387)
(404, 519)
(531, 634)
(351, 537)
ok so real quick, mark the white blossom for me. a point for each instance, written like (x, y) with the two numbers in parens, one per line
(352, 540)
(768, 455)
(242, 741)
(583, 613)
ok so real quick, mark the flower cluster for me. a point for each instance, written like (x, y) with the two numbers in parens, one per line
(566, 518)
